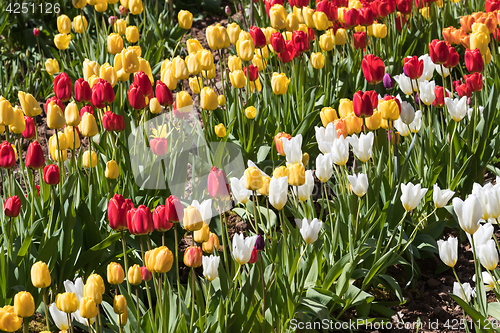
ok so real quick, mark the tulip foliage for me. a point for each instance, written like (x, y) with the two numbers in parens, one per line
(342, 136)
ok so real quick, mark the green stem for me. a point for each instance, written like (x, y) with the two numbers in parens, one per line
(224, 245)
(176, 245)
(125, 260)
(138, 309)
(46, 309)
(193, 300)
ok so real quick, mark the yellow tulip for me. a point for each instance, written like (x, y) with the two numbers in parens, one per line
(101, 6)
(67, 302)
(115, 43)
(279, 83)
(245, 48)
(292, 22)
(185, 19)
(40, 275)
(233, 31)
(206, 59)
(136, 7)
(296, 174)
(88, 308)
(379, 30)
(308, 14)
(192, 219)
(220, 130)
(119, 304)
(89, 159)
(238, 79)
(202, 234)
(159, 260)
(317, 60)
(93, 290)
(193, 46)
(213, 241)
(29, 104)
(320, 21)
(251, 112)
(132, 34)
(88, 125)
(130, 61)
(90, 68)
(120, 26)
(345, 107)
(208, 99)
(51, 66)
(62, 41)
(63, 24)
(18, 125)
(134, 275)
(80, 24)
(180, 69)
(193, 64)
(326, 42)
(112, 171)
(264, 190)
(234, 63)
(24, 304)
(253, 179)
(328, 115)
(55, 116)
(70, 134)
(115, 273)
(184, 101)
(221, 100)
(278, 16)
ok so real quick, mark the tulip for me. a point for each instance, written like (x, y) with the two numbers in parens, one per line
(448, 251)
(128, 60)
(7, 115)
(97, 279)
(439, 100)
(51, 66)
(468, 212)
(163, 94)
(220, 130)
(62, 87)
(67, 302)
(277, 42)
(213, 241)
(317, 60)
(340, 151)
(18, 125)
(474, 61)
(360, 40)
(94, 289)
(362, 105)
(488, 255)
(474, 82)
(115, 43)
(119, 304)
(62, 41)
(210, 267)
(131, 34)
(202, 235)
(208, 99)
(9, 321)
(438, 50)
(115, 273)
(136, 97)
(296, 174)
(89, 159)
(88, 308)
(379, 30)
(88, 126)
(457, 107)
(192, 219)
(242, 248)
(278, 192)
(185, 19)
(277, 15)
(278, 142)
(281, 171)
(34, 156)
(117, 212)
(51, 174)
(29, 104)
(259, 39)
(159, 220)
(324, 167)
(328, 115)
(24, 304)
(40, 275)
(238, 79)
(411, 195)
(359, 184)
(218, 187)
(427, 92)
(253, 179)
(108, 73)
(300, 41)
(112, 171)
(251, 112)
(240, 193)
(12, 206)
(413, 67)
(139, 220)
(245, 49)
(480, 40)
(174, 212)
(193, 257)
(373, 69)
(135, 6)
(279, 83)
(7, 155)
(309, 229)
(134, 275)
(292, 148)
(102, 94)
(441, 197)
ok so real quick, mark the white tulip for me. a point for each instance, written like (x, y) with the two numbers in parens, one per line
(239, 191)
(325, 137)
(359, 184)
(446, 71)
(468, 212)
(305, 191)
(404, 83)
(362, 146)
(457, 107)
(205, 209)
(429, 68)
(407, 113)
(470, 112)
(488, 255)
(427, 93)
(417, 122)
(401, 127)
(448, 251)
(489, 283)
(411, 195)
(457, 290)
(340, 151)
(309, 229)
(242, 248)
(324, 167)
(59, 318)
(441, 197)
(210, 267)
(482, 235)
(278, 188)
(293, 149)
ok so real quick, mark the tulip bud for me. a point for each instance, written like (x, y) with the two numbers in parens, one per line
(134, 275)
(51, 174)
(139, 220)
(192, 219)
(221, 100)
(115, 273)
(253, 179)
(88, 308)
(67, 302)
(185, 19)
(36, 32)
(24, 304)
(279, 83)
(213, 241)
(159, 260)
(251, 112)
(119, 304)
(193, 256)
(112, 171)
(51, 66)
(146, 274)
(220, 130)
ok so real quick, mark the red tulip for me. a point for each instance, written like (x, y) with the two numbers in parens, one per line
(277, 42)
(259, 39)
(382, 8)
(298, 3)
(7, 155)
(163, 94)
(413, 67)
(51, 174)
(439, 101)
(253, 72)
(311, 34)
(12, 206)
(461, 89)
(118, 207)
(34, 156)
(404, 6)
(159, 146)
(362, 105)
(102, 94)
(341, 3)
(136, 97)
(289, 53)
(83, 93)
(400, 22)
(174, 211)
(300, 41)
(146, 275)
(491, 5)
(453, 58)
(139, 220)
(254, 256)
(328, 8)
(159, 220)
(474, 82)
(439, 52)
(143, 82)
(373, 69)
(113, 122)
(373, 97)
(55, 100)
(218, 187)
(360, 40)
(366, 16)
(62, 87)
(36, 32)
(351, 17)
(29, 132)
(474, 61)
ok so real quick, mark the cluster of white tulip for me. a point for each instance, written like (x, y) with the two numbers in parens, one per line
(475, 216)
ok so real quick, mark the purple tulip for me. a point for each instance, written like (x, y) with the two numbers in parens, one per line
(388, 81)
